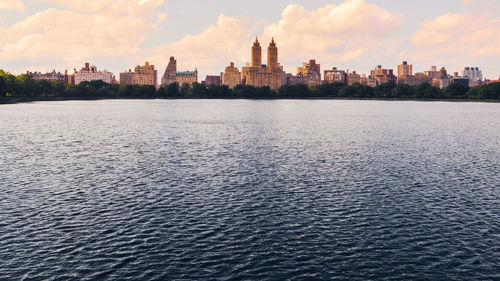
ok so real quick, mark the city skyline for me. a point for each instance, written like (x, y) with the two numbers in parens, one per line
(356, 35)
(271, 74)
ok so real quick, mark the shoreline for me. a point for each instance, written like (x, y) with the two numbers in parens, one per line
(24, 100)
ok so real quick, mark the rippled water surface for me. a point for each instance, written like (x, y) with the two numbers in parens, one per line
(249, 190)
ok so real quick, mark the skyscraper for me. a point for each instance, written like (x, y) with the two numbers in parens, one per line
(272, 55)
(405, 69)
(231, 76)
(258, 75)
(256, 54)
(473, 73)
(170, 73)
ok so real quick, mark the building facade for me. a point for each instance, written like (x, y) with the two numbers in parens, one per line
(90, 73)
(473, 73)
(49, 76)
(405, 69)
(432, 73)
(231, 76)
(142, 75)
(352, 78)
(335, 76)
(443, 80)
(382, 75)
(212, 80)
(259, 75)
(170, 74)
(307, 74)
(186, 77)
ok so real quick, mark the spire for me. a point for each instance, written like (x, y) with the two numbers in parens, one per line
(256, 39)
(272, 40)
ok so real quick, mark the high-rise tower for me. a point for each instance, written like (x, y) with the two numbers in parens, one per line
(258, 75)
(272, 55)
(170, 73)
(256, 54)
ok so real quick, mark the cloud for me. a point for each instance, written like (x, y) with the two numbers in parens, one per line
(112, 7)
(341, 32)
(82, 31)
(12, 5)
(212, 49)
(458, 38)
(334, 32)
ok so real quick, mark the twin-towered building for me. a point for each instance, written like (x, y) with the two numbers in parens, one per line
(260, 75)
(271, 74)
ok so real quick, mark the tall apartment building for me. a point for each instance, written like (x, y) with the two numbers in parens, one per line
(473, 73)
(308, 74)
(352, 78)
(170, 74)
(90, 73)
(443, 80)
(142, 75)
(231, 76)
(382, 75)
(432, 72)
(260, 75)
(368, 81)
(335, 76)
(405, 69)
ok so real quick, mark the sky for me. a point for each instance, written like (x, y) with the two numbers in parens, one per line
(354, 35)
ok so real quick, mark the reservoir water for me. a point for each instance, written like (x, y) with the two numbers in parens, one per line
(249, 190)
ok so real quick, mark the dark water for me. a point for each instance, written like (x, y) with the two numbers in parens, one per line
(250, 190)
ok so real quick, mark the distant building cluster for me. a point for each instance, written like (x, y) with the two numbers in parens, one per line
(90, 73)
(142, 75)
(171, 75)
(53, 76)
(271, 74)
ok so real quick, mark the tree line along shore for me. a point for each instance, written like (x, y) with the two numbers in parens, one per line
(23, 88)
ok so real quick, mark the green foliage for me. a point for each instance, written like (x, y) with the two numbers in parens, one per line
(3, 87)
(24, 88)
(456, 91)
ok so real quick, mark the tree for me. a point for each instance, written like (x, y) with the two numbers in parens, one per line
(295, 91)
(44, 88)
(172, 90)
(58, 89)
(27, 86)
(199, 90)
(402, 91)
(456, 91)
(3, 87)
(385, 90)
(185, 90)
(348, 91)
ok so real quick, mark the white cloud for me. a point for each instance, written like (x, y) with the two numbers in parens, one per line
(107, 29)
(335, 32)
(458, 38)
(227, 40)
(112, 7)
(14, 5)
(342, 32)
